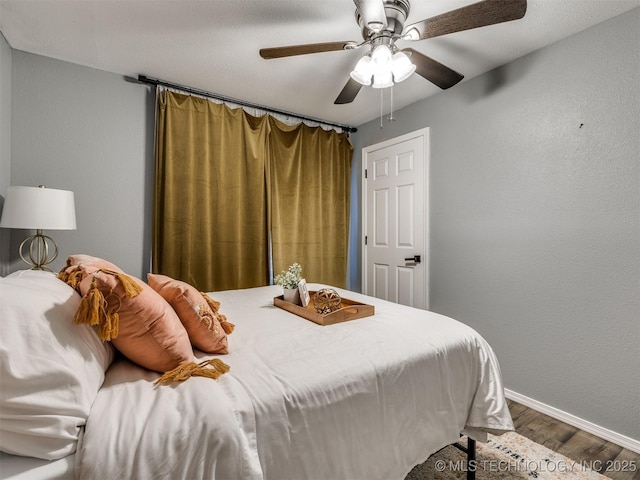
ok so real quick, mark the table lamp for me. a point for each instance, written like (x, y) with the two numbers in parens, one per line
(39, 208)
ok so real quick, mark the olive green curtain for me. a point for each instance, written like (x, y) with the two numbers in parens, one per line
(225, 181)
(210, 217)
(310, 174)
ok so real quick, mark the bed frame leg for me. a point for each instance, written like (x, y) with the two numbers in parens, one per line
(470, 450)
(471, 459)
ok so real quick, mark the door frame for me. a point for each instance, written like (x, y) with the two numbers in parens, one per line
(420, 133)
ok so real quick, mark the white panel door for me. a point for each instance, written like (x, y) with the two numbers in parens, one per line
(395, 256)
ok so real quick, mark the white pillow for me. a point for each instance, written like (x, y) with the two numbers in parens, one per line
(50, 369)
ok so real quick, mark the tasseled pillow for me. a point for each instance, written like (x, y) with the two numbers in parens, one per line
(137, 320)
(199, 313)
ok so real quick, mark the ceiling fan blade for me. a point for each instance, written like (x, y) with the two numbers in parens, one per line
(372, 13)
(481, 14)
(292, 50)
(434, 71)
(349, 92)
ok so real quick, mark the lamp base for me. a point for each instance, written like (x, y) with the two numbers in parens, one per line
(39, 251)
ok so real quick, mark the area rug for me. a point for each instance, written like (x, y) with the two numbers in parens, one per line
(509, 456)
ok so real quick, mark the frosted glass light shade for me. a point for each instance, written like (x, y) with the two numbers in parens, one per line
(381, 56)
(363, 71)
(402, 67)
(382, 79)
(39, 208)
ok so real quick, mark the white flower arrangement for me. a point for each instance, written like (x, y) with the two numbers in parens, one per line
(289, 278)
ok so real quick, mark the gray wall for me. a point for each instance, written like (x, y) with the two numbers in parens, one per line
(89, 131)
(535, 217)
(5, 144)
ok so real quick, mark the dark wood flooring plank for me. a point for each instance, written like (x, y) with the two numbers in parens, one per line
(584, 446)
(626, 466)
(589, 450)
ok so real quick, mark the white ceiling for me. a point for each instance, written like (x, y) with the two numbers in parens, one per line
(213, 45)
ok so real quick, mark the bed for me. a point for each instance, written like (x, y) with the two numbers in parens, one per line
(364, 399)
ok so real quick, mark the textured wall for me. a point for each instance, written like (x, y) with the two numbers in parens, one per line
(80, 129)
(535, 217)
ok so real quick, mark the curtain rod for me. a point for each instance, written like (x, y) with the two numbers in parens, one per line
(204, 93)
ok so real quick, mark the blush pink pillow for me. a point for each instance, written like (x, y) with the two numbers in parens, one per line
(149, 331)
(203, 324)
(142, 325)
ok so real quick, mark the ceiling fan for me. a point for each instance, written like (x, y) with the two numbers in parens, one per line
(383, 24)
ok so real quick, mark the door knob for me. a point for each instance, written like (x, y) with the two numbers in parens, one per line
(414, 259)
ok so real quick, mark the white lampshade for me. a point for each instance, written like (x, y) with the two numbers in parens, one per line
(363, 71)
(402, 67)
(39, 208)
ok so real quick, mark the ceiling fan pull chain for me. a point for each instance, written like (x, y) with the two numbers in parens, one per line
(381, 114)
(391, 119)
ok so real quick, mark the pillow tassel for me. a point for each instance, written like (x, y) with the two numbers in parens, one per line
(75, 278)
(91, 309)
(192, 369)
(72, 276)
(215, 305)
(63, 275)
(228, 327)
(108, 329)
(131, 288)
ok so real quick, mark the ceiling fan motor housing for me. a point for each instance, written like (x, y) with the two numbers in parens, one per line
(396, 12)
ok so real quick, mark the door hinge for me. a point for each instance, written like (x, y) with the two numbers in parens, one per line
(365, 239)
(365, 173)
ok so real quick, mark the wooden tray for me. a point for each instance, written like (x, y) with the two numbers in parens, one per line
(350, 310)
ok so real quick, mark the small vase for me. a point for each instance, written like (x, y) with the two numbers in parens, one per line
(292, 295)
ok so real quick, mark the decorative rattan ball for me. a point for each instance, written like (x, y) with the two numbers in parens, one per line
(326, 300)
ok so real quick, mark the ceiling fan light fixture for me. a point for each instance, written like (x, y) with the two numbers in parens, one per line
(382, 79)
(363, 71)
(402, 68)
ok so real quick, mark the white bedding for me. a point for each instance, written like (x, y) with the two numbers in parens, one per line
(364, 399)
(14, 467)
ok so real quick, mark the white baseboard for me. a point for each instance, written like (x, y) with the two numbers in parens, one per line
(604, 433)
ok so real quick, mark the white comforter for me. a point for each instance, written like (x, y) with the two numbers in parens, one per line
(364, 399)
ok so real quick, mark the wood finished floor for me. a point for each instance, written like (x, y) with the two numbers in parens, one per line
(575, 443)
